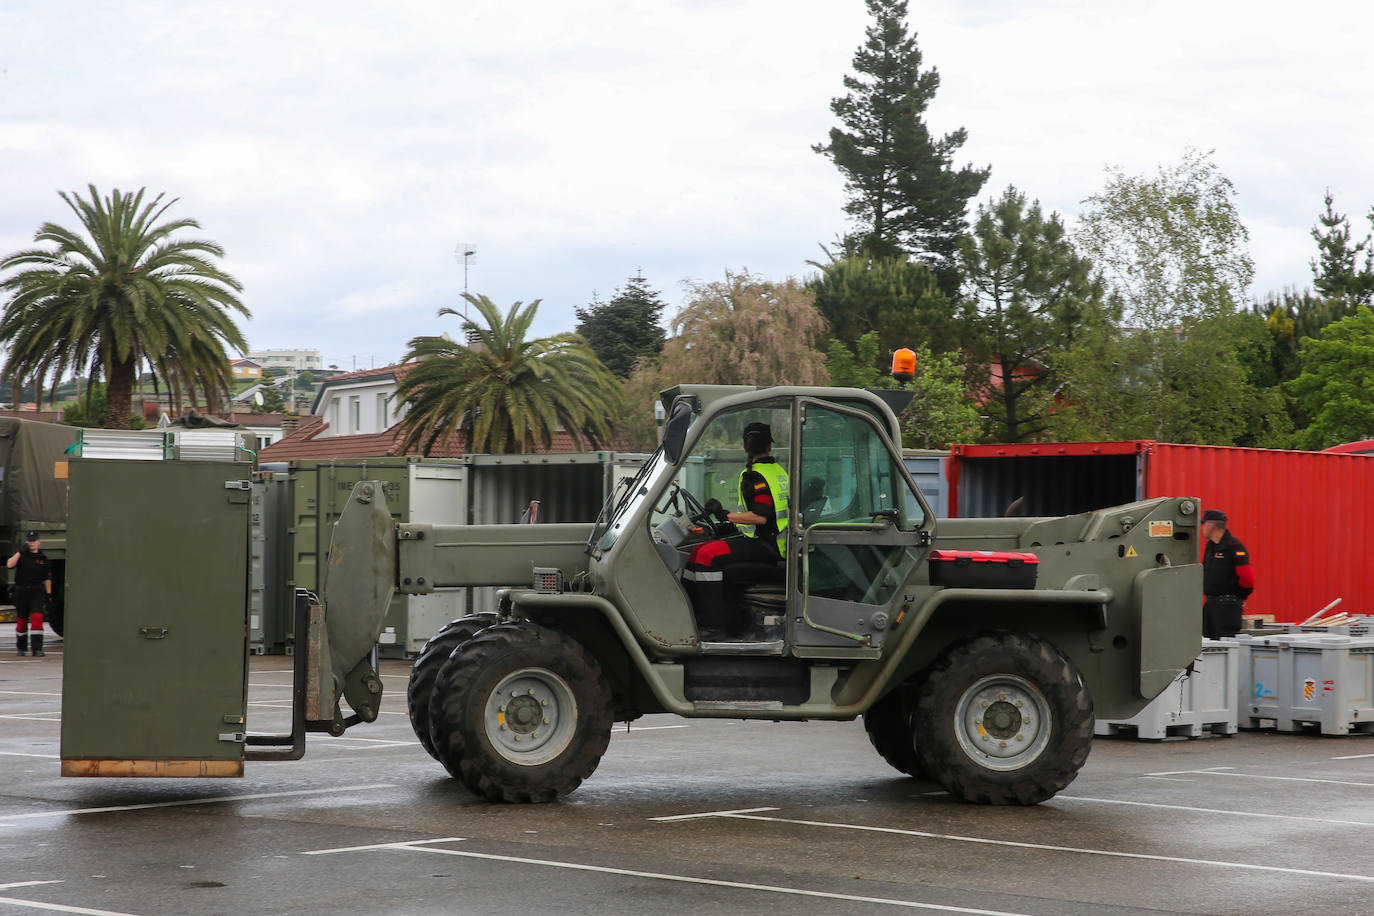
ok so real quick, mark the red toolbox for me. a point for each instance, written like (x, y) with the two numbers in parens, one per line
(983, 569)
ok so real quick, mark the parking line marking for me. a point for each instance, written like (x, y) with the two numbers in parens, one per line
(44, 717)
(29, 693)
(1217, 771)
(1353, 757)
(14, 884)
(61, 908)
(646, 728)
(689, 817)
(399, 844)
(41, 756)
(1082, 850)
(422, 846)
(191, 801)
(1211, 770)
(1286, 817)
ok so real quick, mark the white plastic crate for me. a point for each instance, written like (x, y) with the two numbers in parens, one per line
(1302, 679)
(1202, 701)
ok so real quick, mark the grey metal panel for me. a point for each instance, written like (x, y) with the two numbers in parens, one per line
(1046, 485)
(570, 488)
(930, 469)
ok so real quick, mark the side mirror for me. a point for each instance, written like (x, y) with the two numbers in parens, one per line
(675, 428)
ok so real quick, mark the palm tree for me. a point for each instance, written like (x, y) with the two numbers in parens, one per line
(503, 392)
(123, 295)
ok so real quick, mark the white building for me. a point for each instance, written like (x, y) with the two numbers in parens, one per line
(291, 360)
(359, 403)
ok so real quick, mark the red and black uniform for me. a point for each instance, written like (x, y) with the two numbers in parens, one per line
(32, 575)
(1227, 580)
(736, 560)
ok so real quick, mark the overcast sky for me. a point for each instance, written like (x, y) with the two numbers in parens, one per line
(342, 152)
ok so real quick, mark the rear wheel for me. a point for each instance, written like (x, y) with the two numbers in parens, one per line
(524, 714)
(1003, 719)
(425, 671)
(891, 729)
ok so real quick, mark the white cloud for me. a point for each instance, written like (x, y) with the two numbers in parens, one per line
(339, 151)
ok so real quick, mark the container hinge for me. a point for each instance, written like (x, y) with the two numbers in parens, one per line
(153, 632)
(232, 737)
(238, 485)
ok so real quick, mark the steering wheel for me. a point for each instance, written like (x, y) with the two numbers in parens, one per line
(699, 514)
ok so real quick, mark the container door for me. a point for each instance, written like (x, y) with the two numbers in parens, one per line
(156, 656)
(865, 528)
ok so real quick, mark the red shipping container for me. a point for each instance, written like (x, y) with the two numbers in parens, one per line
(1303, 515)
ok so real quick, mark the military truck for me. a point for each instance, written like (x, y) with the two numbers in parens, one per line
(977, 651)
(33, 497)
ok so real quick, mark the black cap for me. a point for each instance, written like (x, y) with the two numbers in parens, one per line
(1214, 515)
(761, 428)
(31, 536)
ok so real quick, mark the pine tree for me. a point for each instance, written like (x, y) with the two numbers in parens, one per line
(1336, 272)
(902, 190)
(626, 329)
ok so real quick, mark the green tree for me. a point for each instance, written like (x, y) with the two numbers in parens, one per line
(504, 393)
(857, 368)
(124, 294)
(740, 331)
(1035, 297)
(90, 410)
(625, 329)
(1336, 385)
(1173, 248)
(942, 413)
(903, 192)
(272, 400)
(899, 299)
(1337, 274)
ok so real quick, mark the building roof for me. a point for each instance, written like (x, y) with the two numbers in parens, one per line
(382, 373)
(304, 443)
(244, 362)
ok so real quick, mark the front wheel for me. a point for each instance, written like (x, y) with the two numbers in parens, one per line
(425, 671)
(1003, 718)
(525, 714)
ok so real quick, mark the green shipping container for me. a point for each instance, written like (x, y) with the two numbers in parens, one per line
(155, 674)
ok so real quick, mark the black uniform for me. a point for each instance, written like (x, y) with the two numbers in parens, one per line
(1227, 580)
(735, 560)
(31, 574)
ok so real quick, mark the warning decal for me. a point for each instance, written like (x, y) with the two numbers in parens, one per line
(1162, 529)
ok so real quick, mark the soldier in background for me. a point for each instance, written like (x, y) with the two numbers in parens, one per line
(1227, 577)
(32, 593)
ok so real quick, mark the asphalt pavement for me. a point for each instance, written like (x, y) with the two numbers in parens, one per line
(699, 816)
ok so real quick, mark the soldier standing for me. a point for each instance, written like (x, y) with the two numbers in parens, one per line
(32, 593)
(1227, 577)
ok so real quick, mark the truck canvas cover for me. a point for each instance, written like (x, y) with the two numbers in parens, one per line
(30, 491)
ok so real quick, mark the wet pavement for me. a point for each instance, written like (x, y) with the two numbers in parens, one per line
(700, 816)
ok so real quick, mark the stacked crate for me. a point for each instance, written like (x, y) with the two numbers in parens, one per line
(1304, 679)
(1202, 700)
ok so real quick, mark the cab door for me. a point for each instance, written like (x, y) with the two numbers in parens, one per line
(864, 529)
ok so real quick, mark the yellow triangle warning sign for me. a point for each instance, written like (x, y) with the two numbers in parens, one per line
(1130, 552)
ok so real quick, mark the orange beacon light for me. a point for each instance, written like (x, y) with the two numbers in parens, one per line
(903, 365)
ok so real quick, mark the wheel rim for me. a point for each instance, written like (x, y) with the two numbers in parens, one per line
(1003, 722)
(530, 716)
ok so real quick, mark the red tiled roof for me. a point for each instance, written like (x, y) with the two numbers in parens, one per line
(303, 443)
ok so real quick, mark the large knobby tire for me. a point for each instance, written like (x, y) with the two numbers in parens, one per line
(891, 729)
(1003, 719)
(425, 670)
(524, 714)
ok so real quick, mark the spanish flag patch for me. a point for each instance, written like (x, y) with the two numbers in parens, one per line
(760, 485)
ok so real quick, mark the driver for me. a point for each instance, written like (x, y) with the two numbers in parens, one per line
(753, 554)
